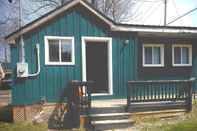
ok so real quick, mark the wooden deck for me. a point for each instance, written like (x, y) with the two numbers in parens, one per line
(138, 107)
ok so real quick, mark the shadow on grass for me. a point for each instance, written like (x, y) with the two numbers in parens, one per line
(62, 118)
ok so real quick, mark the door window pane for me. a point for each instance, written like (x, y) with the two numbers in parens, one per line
(66, 50)
(53, 50)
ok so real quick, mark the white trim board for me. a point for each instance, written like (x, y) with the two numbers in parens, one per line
(110, 75)
(161, 55)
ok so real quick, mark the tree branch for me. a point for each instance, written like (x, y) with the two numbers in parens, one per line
(40, 8)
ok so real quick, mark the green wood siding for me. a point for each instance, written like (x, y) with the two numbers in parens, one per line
(53, 79)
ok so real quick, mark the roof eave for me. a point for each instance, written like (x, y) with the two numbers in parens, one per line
(163, 29)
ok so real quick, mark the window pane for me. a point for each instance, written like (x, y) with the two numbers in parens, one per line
(53, 50)
(66, 50)
(148, 55)
(177, 55)
(185, 55)
(157, 55)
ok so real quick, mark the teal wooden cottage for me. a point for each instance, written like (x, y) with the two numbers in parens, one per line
(77, 42)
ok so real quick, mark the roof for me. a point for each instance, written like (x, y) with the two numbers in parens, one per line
(112, 24)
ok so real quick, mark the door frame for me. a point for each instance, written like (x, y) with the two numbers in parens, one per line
(108, 40)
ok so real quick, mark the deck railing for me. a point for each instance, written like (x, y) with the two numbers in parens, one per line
(160, 90)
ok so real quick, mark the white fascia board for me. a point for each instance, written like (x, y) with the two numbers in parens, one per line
(149, 29)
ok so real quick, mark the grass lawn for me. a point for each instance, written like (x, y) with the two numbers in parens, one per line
(28, 126)
(23, 126)
(183, 126)
(6, 123)
(185, 122)
(186, 125)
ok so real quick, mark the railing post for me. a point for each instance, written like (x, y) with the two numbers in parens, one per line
(128, 96)
(74, 104)
(89, 96)
(193, 91)
(189, 99)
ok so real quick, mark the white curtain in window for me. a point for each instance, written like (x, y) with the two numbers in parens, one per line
(148, 55)
(156, 55)
(185, 55)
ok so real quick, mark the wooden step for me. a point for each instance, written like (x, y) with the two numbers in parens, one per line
(104, 110)
(159, 112)
(112, 124)
(103, 122)
(110, 116)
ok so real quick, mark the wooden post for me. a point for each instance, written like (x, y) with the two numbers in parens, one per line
(128, 97)
(74, 104)
(89, 96)
(189, 99)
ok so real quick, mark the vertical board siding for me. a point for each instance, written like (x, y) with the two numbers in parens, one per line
(168, 72)
(194, 65)
(52, 79)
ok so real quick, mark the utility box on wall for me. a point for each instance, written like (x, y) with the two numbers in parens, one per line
(22, 69)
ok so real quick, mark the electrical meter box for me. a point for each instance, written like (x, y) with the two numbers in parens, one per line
(22, 69)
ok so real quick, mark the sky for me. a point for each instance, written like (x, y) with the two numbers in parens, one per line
(152, 12)
(144, 12)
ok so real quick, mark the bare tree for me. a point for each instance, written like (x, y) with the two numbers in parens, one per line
(9, 22)
(118, 10)
(10, 16)
(36, 8)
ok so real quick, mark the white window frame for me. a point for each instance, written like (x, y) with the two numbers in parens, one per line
(161, 55)
(190, 54)
(47, 62)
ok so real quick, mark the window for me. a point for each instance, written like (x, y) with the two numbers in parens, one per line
(153, 55)
(182, 55)
(59, 50)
